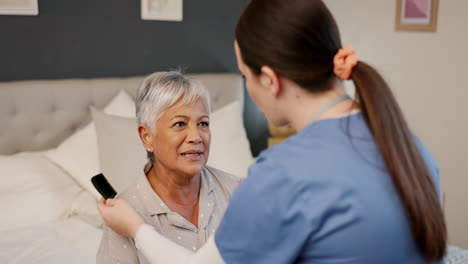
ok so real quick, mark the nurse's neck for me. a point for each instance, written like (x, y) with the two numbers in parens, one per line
(300, 105)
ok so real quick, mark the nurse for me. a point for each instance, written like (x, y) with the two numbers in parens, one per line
(353, 186)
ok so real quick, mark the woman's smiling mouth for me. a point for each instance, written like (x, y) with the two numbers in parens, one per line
(193, 155)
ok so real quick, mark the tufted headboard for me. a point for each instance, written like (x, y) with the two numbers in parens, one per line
(38, 115)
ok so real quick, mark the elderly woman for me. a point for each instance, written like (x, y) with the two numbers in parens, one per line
(176, 193)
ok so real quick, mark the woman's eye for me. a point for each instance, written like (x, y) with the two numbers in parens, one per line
(179, 124)
(204, 124)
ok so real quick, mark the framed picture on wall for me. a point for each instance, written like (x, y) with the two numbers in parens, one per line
(166, 10)
(416, 15)
(19, 7)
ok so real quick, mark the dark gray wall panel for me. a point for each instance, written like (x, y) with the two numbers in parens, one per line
(107, 38)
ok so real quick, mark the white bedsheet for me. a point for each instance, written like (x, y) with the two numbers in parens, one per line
(67, 241)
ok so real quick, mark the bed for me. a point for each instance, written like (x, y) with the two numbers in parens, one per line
(51, 143)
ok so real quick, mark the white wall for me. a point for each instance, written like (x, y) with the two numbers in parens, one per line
(428, 73)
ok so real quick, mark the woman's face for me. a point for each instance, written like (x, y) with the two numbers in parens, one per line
(181, 143)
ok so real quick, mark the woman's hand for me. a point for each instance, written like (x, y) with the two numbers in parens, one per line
(120, 216)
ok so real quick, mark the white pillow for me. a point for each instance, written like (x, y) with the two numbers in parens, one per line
(33, 191)
(84, 206)
(78, 154)
(230, 148)
(121, 153)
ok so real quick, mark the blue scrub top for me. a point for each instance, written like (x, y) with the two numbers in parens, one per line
(322, 196)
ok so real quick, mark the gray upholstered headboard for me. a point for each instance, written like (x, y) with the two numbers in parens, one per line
(38, 115)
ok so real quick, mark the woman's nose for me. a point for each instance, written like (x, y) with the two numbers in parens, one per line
(194, 136)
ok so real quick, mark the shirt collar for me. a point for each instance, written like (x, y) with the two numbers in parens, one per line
(207, 184)
(154, 205)
(150, 199)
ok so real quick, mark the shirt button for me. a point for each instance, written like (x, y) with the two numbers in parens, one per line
(179, 238)
(201, 215)
(194, 248)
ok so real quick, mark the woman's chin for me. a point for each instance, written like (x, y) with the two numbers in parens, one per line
(194, 168)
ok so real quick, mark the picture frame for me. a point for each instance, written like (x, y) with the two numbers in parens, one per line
(164, 10)
(19, 7)
(416, 15)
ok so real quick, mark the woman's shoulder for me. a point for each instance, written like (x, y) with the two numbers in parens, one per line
(136, 192)
(425, 153)
(431, 163)
(222, 178)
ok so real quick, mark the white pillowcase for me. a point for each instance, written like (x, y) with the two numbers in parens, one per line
(33, 191)
(84, 206)
(122, 155)
(230, 148)
(78, 154)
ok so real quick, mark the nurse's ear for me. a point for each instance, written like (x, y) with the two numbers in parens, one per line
(270, 80)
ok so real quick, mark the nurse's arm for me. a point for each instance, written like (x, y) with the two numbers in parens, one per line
(158, 249)
(122, 218)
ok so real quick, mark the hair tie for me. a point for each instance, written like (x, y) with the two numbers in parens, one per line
(345, 60)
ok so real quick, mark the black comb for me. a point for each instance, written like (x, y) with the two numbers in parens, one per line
(103, 186)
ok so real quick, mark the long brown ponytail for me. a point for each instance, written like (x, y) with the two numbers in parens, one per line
(404, 162)
(299, 41)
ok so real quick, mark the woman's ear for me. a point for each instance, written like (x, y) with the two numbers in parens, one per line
(146, 137)
(270, 80)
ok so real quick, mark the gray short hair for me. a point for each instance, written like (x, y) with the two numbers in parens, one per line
(161, 90)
